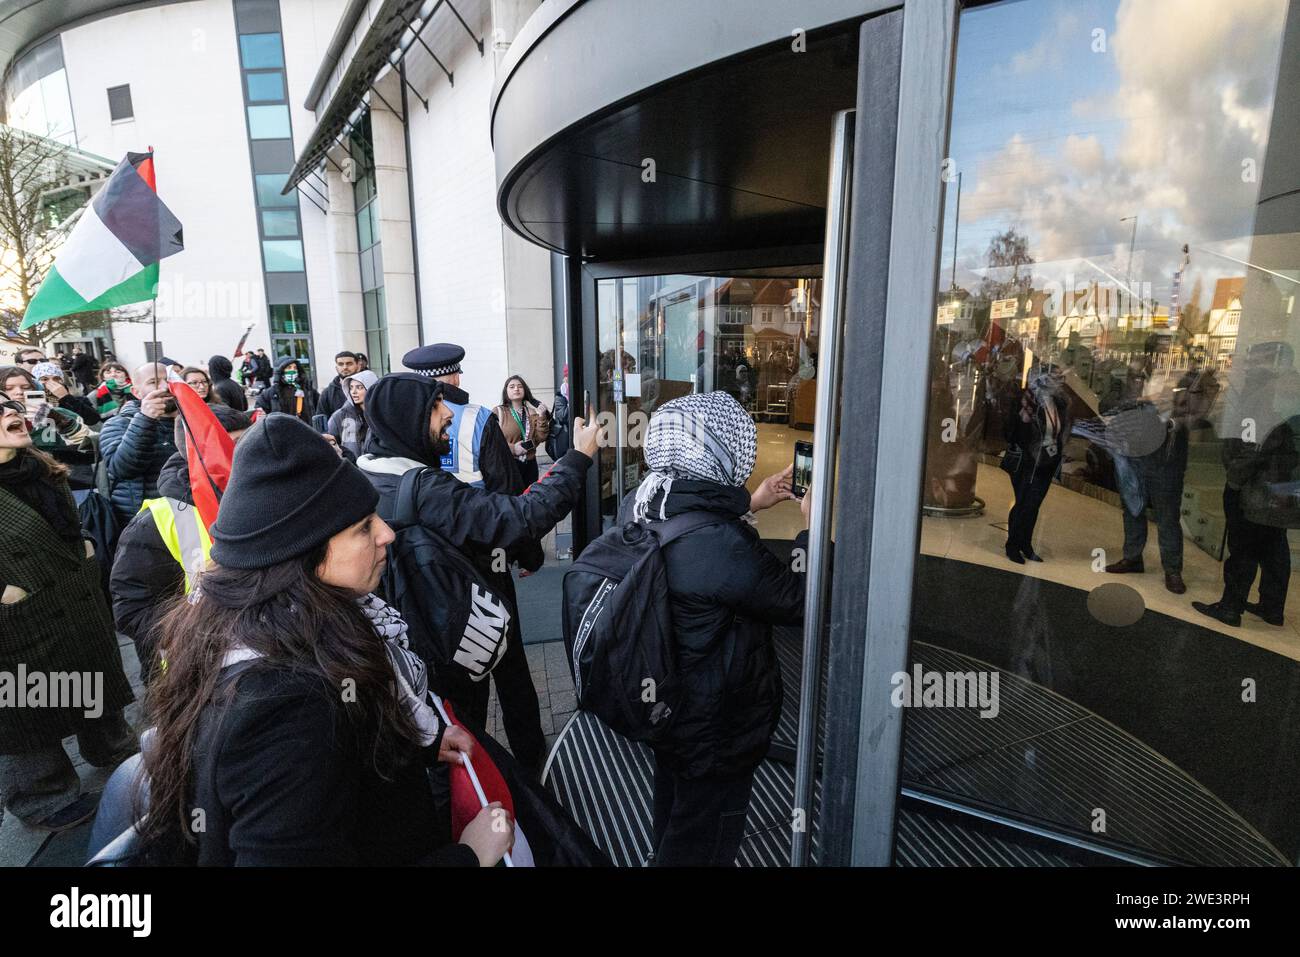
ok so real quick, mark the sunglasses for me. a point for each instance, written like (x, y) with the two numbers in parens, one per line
(9, 405)
(31, 362)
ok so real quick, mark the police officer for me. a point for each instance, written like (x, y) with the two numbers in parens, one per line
(479, 453)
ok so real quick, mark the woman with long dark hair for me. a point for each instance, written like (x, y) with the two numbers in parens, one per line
(291, 717)
(54, 619)
(201, 382)
(526, 423)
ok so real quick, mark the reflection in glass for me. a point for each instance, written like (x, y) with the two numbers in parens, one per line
(1112, 465)
(661, 337)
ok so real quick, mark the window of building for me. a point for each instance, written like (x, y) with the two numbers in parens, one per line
(261, 51)
(290, 319)
(268, 122)
(263, 87)
(282, 255)
(279, 222)
(269, 186)
(119, 103)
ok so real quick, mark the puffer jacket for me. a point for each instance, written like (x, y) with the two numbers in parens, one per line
(146, 578)
(135, 448)
(279, 396)
(726, 591)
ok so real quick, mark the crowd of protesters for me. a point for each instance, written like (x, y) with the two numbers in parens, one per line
(348, 522)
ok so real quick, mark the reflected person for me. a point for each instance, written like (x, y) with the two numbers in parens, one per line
(1035, 429)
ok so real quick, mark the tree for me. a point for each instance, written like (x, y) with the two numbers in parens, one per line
(39, 202)
(1007, 251)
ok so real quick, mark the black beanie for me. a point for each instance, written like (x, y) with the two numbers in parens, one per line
(289, 492)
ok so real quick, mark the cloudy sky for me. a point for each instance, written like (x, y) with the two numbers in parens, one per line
(1062, 141)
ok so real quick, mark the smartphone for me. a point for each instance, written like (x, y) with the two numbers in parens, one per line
(803, 466)
(528, 445)
(319, 422)
(534, 402)
(33, 399)
(586, 405)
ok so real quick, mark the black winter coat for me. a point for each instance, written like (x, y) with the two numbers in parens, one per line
(285, 777)
(280, 396)
(332, 398)
(135, 448)
(726, 590)
(475, 519)
(82, 406)
(146, 579)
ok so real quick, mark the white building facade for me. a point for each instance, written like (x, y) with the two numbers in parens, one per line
(388, 235)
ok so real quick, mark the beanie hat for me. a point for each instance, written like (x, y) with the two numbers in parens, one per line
(44, 370)
(289, 492)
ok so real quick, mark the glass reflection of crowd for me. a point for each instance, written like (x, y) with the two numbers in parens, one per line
(1128, 424)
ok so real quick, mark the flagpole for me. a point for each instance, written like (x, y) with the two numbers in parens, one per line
(468, 765)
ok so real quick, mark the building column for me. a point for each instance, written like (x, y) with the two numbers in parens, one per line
(341, 228)
(391, 184)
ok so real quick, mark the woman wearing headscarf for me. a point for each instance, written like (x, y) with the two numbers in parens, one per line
(726, 591)
(54, 620)
(1036, 428)
(292, 714)
(348, 423)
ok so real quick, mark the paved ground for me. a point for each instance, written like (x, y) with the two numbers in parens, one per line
(538, 596)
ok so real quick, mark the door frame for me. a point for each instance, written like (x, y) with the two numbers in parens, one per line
(905, 71)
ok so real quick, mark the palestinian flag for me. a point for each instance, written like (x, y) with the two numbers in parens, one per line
(112, 256)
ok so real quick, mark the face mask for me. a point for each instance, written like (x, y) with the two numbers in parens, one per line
(291, 376)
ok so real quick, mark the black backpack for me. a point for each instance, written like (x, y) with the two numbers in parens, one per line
(618, 627)
(455, 619)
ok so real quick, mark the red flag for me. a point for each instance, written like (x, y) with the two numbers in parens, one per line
(208, 449)
(465, 804)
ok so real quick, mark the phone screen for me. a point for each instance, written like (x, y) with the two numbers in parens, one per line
(528, 445)
(803, 466)
(33, 399)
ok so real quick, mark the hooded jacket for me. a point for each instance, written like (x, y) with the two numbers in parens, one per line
(230, 392)
(279, 395)
(472, 519)
(134, 448)
(726, 590)
(146, 578)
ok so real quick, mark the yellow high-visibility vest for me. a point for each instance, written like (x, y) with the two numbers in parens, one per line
(183, 532)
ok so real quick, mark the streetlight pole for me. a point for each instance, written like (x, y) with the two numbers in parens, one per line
(1128, 270)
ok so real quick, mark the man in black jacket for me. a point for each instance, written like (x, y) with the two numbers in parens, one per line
(146, 576)
(335, 395)
(227, 389)
(408, 430)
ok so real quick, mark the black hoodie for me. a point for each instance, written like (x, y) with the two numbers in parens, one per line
(145, 577)
(279, 395)
(471, 519)
(226, 388)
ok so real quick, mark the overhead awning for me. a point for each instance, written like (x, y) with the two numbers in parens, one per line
(395, 28)
(66, 167)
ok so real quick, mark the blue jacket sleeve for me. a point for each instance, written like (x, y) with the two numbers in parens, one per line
(128, 448)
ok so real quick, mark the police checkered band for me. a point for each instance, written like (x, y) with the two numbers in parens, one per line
(439, 370)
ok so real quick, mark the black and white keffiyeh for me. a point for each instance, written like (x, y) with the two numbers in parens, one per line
(408, 668)
(707, 436)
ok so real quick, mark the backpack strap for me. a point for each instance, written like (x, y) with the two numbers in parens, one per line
(677, 526)
(405, 512)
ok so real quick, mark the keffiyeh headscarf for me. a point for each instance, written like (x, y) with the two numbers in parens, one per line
(707, 437)
(409, 670)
